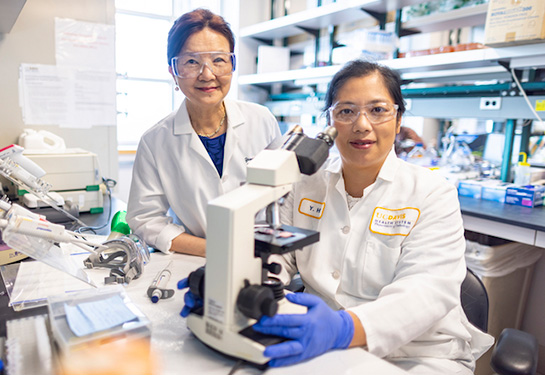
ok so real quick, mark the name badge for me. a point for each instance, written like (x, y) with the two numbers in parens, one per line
(394, 222)
(311, 208)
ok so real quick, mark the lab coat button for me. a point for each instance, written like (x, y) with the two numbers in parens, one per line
(335, 274)
(346, 229)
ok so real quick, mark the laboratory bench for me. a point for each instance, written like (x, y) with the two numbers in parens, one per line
(172, 344)
(176, 348)
(178, 351)
(511, 222)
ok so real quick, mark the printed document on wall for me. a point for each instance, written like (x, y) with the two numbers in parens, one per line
(84, 44)
(66, 96)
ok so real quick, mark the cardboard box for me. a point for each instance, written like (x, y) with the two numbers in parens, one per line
(512, 22)
(9, 255)
(529, 195)
(272, 59)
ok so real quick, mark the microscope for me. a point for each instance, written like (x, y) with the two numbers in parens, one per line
(235, 285)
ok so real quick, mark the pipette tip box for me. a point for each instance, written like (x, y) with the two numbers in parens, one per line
(138, 327)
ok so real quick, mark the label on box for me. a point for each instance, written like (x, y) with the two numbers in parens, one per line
(514, 22)
(529, 196)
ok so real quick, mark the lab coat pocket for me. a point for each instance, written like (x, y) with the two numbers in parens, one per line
(373, 269)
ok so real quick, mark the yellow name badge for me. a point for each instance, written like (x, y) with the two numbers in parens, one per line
(311, 208)
(394, 222)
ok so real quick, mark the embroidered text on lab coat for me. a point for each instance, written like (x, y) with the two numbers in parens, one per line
(394, 222)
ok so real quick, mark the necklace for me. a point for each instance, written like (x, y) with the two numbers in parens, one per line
(219, 127)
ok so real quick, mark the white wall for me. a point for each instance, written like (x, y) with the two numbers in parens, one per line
(32, 40)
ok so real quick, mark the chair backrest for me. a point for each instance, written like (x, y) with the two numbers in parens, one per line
(475, 301)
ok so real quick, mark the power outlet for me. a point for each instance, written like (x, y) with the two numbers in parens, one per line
(488, 104)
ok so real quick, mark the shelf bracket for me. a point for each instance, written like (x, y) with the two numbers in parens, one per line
(316, 34)
(379, 16)
(313, 32)
(268, 42)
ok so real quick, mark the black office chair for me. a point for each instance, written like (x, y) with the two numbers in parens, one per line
(515, 352)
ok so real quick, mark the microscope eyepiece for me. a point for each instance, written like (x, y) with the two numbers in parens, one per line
(328, 135)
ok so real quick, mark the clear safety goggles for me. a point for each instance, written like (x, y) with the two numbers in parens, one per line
(191, 65)
(376, 113)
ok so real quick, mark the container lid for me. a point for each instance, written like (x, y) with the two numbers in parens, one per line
(524, 158)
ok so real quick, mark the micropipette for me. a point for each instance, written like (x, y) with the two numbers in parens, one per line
(158, 288)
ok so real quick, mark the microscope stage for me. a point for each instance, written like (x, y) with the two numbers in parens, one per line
(283, 240)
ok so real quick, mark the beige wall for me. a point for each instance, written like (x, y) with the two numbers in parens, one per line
(32, 40)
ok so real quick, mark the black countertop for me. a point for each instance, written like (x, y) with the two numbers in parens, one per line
(526, 217)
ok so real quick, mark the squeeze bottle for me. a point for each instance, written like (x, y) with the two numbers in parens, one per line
(522, 172)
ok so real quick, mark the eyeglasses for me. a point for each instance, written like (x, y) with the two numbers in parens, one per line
(376, 113)
(191, 65)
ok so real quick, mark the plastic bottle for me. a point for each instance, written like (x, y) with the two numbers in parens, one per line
(522, 172)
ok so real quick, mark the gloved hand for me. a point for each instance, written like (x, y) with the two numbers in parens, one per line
(189, 298)
(314, 333)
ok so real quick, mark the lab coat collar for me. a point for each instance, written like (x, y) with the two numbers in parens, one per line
(182, 125)
(390, 166)
(387, 172)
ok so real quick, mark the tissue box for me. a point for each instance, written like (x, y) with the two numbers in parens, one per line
(495, 192)
(511, 22)
(470, 188)
(529, 195)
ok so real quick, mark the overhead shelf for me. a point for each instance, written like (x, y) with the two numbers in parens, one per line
(453, 65)
(337, 13)
(315, 18)
(434, 107)
(454, 19)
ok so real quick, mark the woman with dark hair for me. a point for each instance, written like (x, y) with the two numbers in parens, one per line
(198, 152)
(387, 271)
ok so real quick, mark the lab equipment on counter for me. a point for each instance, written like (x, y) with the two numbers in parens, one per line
(158, 288)
(523, 172)
(234, 285)
(74, 173)
(38, 206)
(27, 176)
(34, 236)
(95, 316)
(124, 253)
(28, 348)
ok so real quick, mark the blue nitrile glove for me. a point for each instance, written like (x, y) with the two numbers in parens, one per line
(189, 298)
(314, 333)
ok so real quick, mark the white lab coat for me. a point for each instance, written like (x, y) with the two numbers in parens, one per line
(396, 259)
(173, 170)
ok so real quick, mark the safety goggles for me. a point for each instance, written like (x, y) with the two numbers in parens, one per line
(191, 65)
(376, 113)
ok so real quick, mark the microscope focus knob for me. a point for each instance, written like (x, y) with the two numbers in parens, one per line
(196, 282)
(254, 301)
(274, 268)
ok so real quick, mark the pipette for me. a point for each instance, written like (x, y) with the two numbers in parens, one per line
(158, 288)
